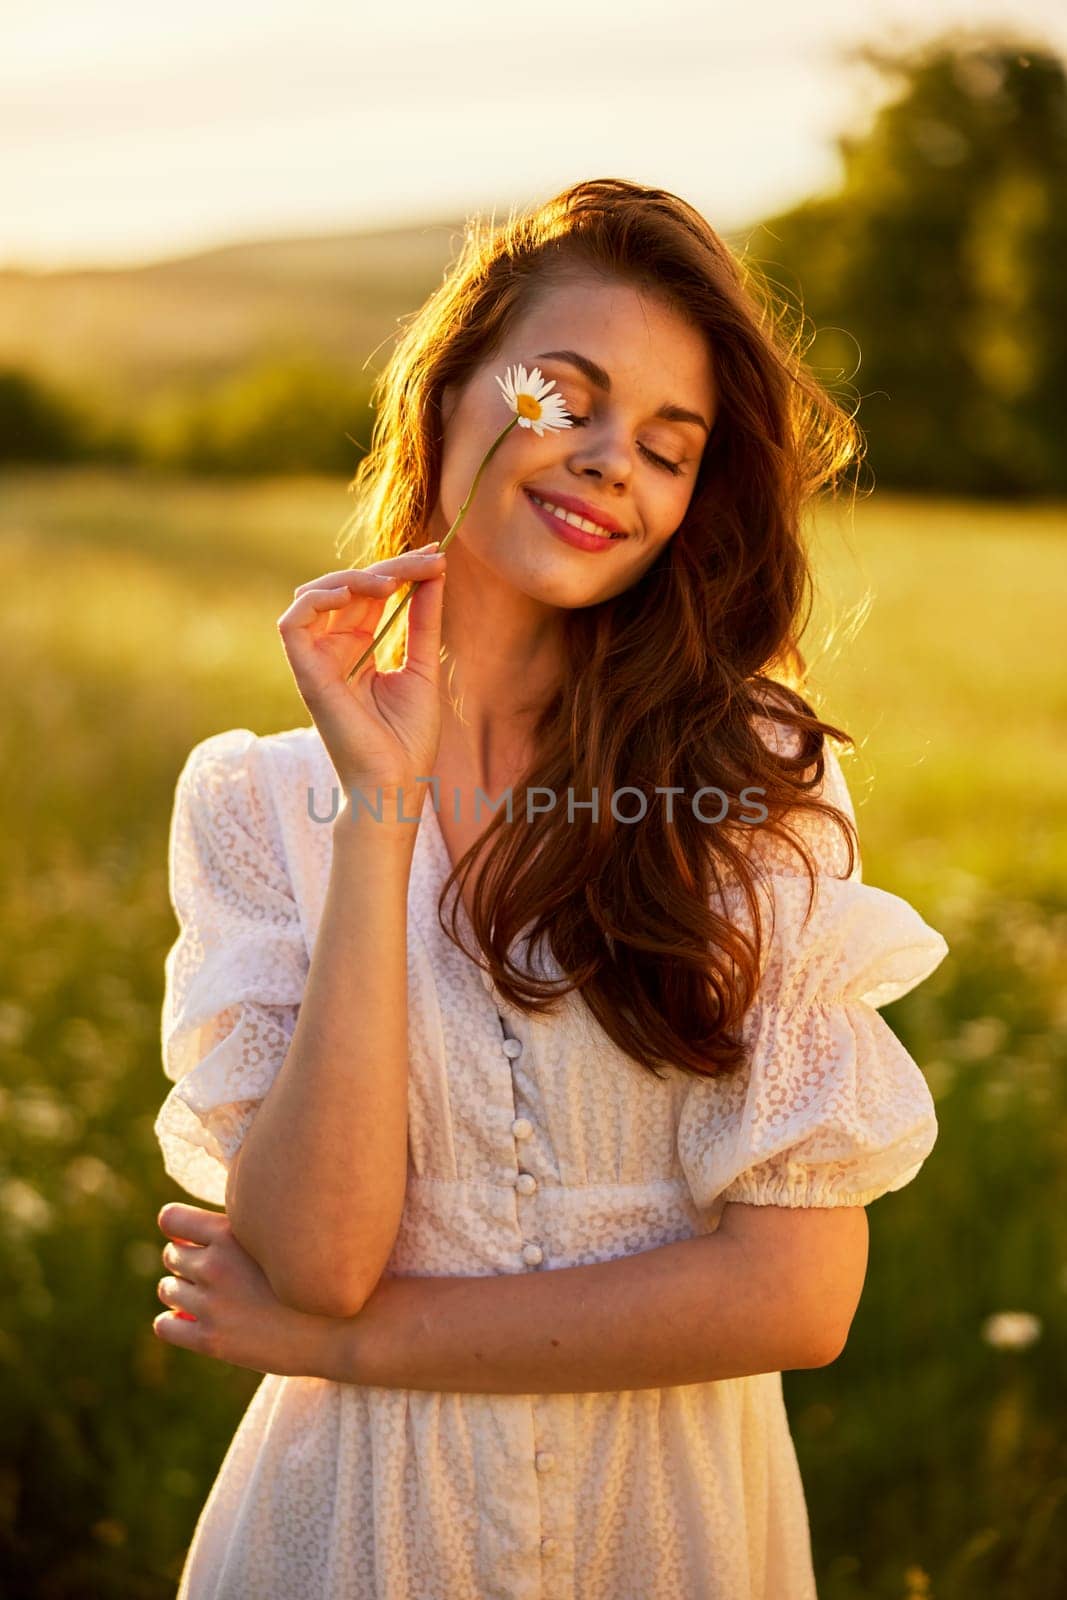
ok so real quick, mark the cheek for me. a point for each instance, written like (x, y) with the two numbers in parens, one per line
(498, 487)
(662, 521)
(457, 475)
(673, 509)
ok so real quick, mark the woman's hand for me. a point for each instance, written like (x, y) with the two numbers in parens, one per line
(221, 1304)
(383, 727)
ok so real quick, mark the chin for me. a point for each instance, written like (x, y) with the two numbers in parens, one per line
(541, 581)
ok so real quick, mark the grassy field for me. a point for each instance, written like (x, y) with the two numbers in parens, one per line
(139, 617)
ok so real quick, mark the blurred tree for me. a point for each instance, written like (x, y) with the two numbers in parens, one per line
(36, 422)
(290, 412)
(942, 257)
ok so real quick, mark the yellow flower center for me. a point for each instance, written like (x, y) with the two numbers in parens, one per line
(528, 407)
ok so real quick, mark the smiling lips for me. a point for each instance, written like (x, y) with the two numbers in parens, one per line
(585, 524)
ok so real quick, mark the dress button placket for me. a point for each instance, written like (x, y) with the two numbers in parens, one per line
(554, 1470)
(553, 1414)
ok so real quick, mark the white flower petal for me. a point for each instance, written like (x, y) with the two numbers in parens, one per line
(517, 383)
(554, 413)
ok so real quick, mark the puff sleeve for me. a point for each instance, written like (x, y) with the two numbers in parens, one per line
(234, 978)
(830, 1108)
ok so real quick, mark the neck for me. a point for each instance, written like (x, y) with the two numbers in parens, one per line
(501, 662)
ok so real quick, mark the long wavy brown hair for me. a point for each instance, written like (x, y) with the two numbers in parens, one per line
(663, 683)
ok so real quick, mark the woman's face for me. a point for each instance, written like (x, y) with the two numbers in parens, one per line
(651, 359)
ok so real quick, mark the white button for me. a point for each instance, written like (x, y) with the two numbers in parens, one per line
(532, 1254)
(521, 1128)
(549, 1547)
(544, 1461)
(526, 1183)
(512, 1048)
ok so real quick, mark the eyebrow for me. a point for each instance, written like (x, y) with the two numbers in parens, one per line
(599, 378)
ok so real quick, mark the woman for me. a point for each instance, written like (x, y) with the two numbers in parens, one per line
(527, 1210)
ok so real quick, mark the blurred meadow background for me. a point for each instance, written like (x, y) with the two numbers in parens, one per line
(176, 437)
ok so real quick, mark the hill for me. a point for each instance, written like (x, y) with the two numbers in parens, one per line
(122, 335)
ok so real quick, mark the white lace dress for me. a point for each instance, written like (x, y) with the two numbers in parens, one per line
(533, 1145)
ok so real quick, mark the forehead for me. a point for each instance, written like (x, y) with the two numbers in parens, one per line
(637, 336)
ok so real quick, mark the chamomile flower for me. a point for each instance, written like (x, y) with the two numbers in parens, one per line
(529, 398)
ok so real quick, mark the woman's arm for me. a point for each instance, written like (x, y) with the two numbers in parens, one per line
(774, 1288)
(317, 1189)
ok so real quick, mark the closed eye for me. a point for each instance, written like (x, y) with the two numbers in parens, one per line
(673, 467)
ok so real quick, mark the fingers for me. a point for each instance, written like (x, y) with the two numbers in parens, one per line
(192, 1223)
(185, 1299)
(184, 1260)
(315, 600)
(423, 653)
(182, 1296)
(409, 564)
(174, 1327)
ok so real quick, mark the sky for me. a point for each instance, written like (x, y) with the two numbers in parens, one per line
(135, 133)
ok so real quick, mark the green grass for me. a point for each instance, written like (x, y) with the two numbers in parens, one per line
(140, 616)
(951, 684)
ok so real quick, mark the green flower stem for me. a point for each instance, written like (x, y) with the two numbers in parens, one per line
(380, 635)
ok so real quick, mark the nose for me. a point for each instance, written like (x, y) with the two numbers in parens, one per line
(603, 456)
